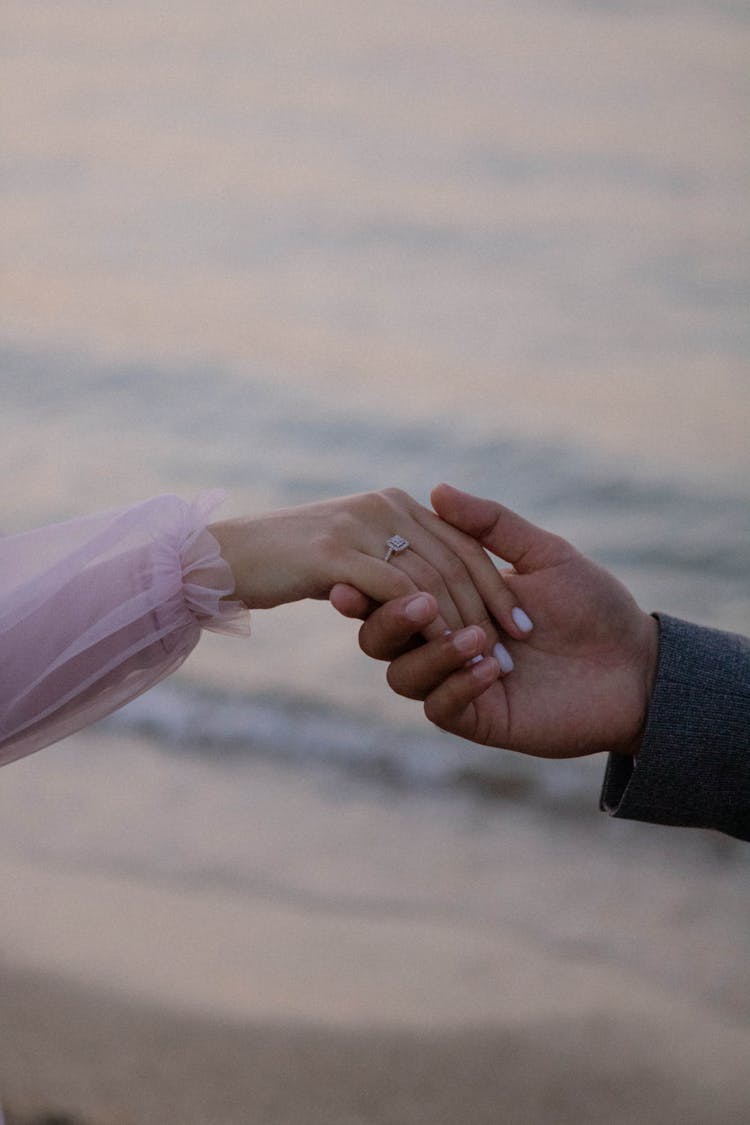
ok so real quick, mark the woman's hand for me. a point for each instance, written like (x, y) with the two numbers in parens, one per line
(303, 552)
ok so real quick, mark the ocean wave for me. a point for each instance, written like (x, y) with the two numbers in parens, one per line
(251, 428)
(217, 725)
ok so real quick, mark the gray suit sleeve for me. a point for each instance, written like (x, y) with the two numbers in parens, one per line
(693, 768)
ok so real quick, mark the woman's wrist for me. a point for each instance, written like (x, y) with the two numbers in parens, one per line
(236, 541)
(271, 559)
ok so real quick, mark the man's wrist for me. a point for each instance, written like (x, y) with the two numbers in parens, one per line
(647, 668)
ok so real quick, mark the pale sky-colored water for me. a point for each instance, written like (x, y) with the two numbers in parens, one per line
(529, 217)
(302, 249)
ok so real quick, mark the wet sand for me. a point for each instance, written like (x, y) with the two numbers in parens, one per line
(405, 959)
(121, 1064)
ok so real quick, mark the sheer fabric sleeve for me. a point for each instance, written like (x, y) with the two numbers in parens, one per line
(95, 611)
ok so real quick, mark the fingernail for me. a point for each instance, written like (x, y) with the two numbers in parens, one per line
(467, 640)
(522, 620)
(475, 660)
(418, 608)
(503, 657)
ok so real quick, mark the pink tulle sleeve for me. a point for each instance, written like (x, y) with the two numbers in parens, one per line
(95, 611)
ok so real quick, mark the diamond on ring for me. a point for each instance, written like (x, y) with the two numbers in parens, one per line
(396, 544)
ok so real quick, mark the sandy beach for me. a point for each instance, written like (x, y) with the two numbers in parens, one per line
(403, 959)
(119, 1063)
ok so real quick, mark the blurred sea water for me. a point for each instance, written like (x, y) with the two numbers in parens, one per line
(297, 251)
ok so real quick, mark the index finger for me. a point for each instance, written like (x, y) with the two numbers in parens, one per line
(475, 574)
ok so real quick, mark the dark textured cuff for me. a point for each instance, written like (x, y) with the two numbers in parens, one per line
(693, 767)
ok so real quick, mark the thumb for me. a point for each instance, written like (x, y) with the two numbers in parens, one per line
(509, 536)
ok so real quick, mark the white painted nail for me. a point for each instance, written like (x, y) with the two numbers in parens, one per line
(522, 620)
(503, 657)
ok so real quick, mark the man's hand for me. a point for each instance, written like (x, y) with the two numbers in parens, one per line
(580, 682)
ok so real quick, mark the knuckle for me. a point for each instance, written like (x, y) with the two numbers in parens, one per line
(342, 523)
(489, 627)
(454, 570)
(330, 547)
(478, 556)
(378, 510)
(368, 499)
(368, 642)
(398, 684)
(433, 713)
(556, 550)
(402, 584)
(396, 497)
(432, 583)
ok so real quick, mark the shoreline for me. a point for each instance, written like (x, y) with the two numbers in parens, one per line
(104, 1060)
(187, 942)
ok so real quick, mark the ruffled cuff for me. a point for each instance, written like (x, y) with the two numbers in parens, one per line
(207, 579)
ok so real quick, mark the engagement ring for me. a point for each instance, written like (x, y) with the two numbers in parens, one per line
(395, 545)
